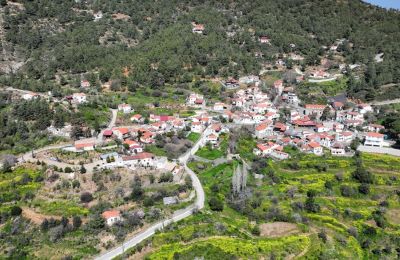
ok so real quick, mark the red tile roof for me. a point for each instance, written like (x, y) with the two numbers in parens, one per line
(110, 214)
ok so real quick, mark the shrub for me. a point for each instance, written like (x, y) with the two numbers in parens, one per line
(256, 230)
(347, 191)
(86, 197)
(216, 204)
(76, 222)
(362, 175)
(364, 188)
(68, 169)
(15, 211)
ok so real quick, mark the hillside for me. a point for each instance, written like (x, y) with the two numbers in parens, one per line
(154, 43)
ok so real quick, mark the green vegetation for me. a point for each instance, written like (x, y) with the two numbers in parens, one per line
(127, 52)
(193, 137)
(60, 208)
(231, 248)
(345, 208)
(318, 93)
(209, 153)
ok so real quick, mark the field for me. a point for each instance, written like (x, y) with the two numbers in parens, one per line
(317, 203)
(319, 92)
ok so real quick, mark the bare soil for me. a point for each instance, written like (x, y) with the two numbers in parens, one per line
(278, 229)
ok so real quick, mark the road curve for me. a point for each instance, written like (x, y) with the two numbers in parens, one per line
(178, 215)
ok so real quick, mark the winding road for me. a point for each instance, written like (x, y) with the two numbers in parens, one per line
(178, 215)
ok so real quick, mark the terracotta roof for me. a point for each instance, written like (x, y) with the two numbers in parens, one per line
(373, 134)
(107, 133)
(315, 106)
(314, 145)
(110, 214)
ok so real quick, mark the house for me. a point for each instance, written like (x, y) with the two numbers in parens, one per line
(111, 217)
(30, 96)
(238, 102)
(137, 118)
(315, 148)
(291, 98)
(337, 149)
(107, 133)
(319, 74)
(374, 139)
(337, 105)
(264, 39)
(85, 84)
(314, 109)
(279, 155)
(147, 137)
(326, 140)
(260, 108)
(195, 100)
(265, 149)
(264, 129)
(133, 146)
(219, 106)
(374, 128)
(85, 145)
(364, 108)
(79, 98)
(231, 83)
(212, 139)
(141, 160)
(198, 28)
(196, 127)
(125, 108)
(338, 128)
(98, 15)
(121, 132)
(345, 137)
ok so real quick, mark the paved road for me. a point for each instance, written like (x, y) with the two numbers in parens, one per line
(111, 124)
(178, 215)
(381, 150)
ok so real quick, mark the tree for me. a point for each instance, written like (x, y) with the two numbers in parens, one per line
(363, 176)
(76, 222)
(83, 169)
(68, 169)
(86, 197)
(3, 2)
(15, 211)
(216, 204)
(364, 188)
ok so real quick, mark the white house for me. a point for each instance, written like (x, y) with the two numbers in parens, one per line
(30, 96)
(111, 217)
(315, 148)
(374, 128)
(125, 108)
(337, 149)
(85, 84)
(140, 159)
(198, 28)
(264, 39)
(79, 98)
(263, 130)
(374, 139)
(345, 137)
(85, 145)
(219, 106)
(313, 109)
(197, 127)
(212, 139)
